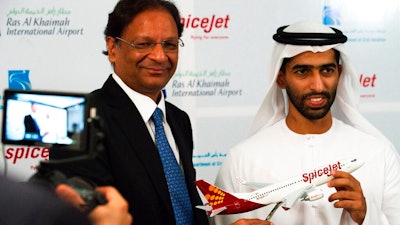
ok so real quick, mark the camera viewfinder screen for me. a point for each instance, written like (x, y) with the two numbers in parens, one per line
(43, 119)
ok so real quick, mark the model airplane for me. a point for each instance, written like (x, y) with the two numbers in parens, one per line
(285, 193)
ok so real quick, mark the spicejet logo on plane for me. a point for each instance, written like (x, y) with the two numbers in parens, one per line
(214, 196)
(308, 177)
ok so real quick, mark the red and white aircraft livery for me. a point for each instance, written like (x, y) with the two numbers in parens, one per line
(285, 193)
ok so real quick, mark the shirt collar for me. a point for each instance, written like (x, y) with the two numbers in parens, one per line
(143, 103)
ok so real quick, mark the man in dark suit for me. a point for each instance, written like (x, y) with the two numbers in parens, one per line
(143, 39)
(32, 130)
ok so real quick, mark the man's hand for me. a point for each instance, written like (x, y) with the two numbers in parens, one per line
(349, 195)
(252, 222)
(70, 196)
(114, 212)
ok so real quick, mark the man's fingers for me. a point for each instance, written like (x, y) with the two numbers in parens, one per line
(345, 195)
(344, 181)
(70, 196)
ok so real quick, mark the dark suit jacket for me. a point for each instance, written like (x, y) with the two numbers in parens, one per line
(30, 125)
(130, 161)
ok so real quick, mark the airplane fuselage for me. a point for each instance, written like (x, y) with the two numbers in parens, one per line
(274, 193)
(285, 193)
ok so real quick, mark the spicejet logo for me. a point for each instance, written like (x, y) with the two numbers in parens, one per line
(308, 177)
(17, 153)
(207, 24)
(214, 196)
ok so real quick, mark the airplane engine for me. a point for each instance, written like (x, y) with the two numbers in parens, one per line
(313, 195)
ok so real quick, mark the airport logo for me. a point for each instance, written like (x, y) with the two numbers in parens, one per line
(19, 80)
(331, 15)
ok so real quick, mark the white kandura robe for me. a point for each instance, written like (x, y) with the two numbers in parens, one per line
(276, 153)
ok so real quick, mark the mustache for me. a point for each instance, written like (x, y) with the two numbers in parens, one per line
(324, 93)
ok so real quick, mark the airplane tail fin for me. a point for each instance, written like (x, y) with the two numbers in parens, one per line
(217, 199)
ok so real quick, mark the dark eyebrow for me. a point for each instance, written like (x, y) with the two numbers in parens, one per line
(329, 65)
(147, 38)
(306, 66)
(301, 66)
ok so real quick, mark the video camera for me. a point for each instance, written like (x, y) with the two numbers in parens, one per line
(62, 121)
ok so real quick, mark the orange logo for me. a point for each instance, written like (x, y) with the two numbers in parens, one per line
(215, 196)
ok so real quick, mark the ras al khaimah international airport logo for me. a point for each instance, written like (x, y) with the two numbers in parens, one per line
(19, 79)
(41, 21)
(331, 14)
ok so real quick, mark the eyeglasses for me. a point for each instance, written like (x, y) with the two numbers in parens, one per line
(146, 47)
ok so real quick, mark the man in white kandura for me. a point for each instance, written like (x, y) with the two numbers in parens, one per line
(309, 117)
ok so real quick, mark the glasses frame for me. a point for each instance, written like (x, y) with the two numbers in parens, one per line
(152, 45)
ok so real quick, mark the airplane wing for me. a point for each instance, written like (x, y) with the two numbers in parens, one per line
(290, 199)
(217, 211)
(253, 185)
(210, 209)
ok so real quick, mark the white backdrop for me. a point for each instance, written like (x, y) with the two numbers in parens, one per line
(221, 77)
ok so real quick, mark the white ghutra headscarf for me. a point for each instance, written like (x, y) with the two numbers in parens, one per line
(308, 36)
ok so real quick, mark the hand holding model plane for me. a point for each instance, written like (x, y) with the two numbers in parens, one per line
(349, 195)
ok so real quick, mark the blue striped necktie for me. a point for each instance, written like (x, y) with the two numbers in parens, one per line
(173, 174)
